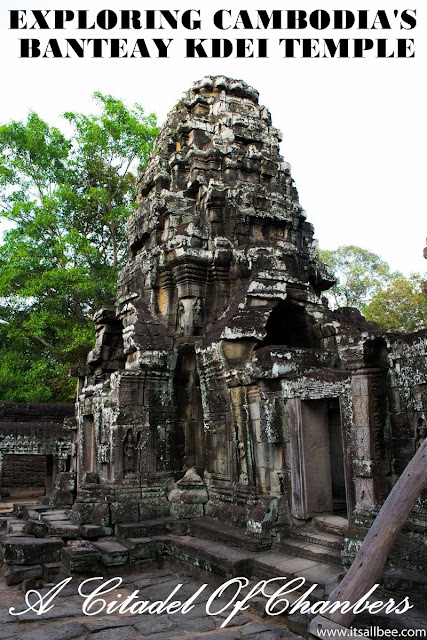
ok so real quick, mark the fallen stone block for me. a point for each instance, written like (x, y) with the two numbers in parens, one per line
(92, 531)
(18, 529)
(55, 515)
(15, 575)
(140, 549)
(31, 551)
(91, 513)
(65, 529)
(81, 559)
(36, 528)
(23, 510)
(51, 571)
(113, 553)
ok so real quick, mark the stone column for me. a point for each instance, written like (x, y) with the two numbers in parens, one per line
(371, 437)
(242, 437)
(261, 446)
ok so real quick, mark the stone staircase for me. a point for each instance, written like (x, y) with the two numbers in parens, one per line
(322, 541)
(210, 529)
(226, 550)
(331, 524)
(44, 543)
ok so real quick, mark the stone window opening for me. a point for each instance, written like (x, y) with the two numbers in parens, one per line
(289, 325)
(139, 244)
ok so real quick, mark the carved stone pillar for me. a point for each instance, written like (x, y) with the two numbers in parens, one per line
(244, 473)
(371, 437)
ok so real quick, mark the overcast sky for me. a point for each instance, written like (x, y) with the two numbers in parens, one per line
(354, 130)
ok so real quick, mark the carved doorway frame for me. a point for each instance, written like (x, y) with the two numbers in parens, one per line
(310, 462)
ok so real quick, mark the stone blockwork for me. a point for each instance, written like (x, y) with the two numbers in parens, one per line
(22, 471)
(222, 385)
(35, 444)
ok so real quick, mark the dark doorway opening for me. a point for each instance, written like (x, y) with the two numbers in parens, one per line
(336, 449)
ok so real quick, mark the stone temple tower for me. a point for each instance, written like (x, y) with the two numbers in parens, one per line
(218, 306)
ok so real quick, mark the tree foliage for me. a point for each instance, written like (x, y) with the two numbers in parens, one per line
(67, 200)
(366, 282)
(402, 306)
(359, 275)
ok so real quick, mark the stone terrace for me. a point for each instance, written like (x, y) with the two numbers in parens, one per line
(201, 550)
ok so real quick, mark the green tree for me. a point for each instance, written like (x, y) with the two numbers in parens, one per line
(401, 306)
(359, 275)
(68, 200)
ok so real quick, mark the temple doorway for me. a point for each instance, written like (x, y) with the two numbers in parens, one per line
(318, 471)
(336, 449)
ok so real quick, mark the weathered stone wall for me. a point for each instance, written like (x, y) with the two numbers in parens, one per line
(398, 429)
(407, 377)
(20, 471)
(35, 412)
(28, 434)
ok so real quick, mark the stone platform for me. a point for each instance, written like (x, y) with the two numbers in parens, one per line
(41, 546)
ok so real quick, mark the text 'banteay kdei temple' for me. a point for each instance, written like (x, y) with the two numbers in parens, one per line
(222, 387)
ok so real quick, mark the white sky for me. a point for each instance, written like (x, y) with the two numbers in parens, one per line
(354, 131)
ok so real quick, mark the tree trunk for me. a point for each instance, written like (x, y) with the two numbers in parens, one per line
(369, 562)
